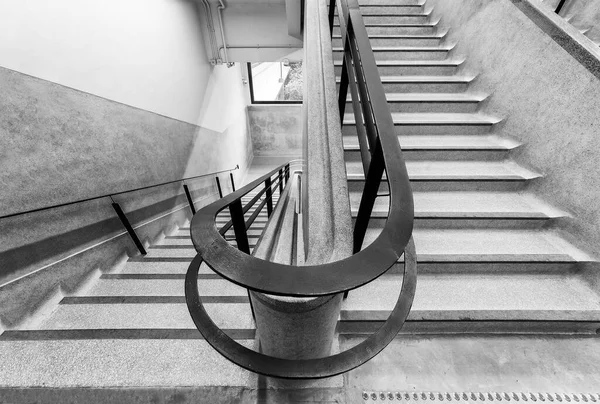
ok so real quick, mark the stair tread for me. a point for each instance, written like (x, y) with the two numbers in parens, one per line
(469, 204)
(444, 62)
(117, 363)
(435, 118)
(163, 287)
(445, 142)
(449, 170)
(133, 316)
(476, 296)
(433, 48)
(423, 79)
(497, 245)
(432, 97)
(401, 36)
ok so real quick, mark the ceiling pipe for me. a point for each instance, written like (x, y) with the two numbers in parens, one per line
(211, 33)
(220, 9)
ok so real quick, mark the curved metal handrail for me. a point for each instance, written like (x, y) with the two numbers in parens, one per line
(395, 239)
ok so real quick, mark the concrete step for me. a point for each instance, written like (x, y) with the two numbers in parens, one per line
(398, 40)
(469, 210)
(424, 84)
(390, 2)
(163, 284)
(430, 102)
(395, 18)
(432, 123)
(453, 176)
(501, 301)
(396, 29)
(147, 315)
(49, 359)
(482, 366)
(440, 52)
(391, 9)
(443, 147)
(426, 68)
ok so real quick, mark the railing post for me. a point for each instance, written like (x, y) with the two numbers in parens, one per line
(280, 181)
(269, 196)
(219, 187)
(232, 182)
(331, 16)
(189, 198)
(239, 226)
(560, 6)
(128, 227)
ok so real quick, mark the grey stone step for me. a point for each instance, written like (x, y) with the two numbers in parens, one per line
(468, 209)
(398, 40)
(164, 287)
(490, 245)
(117, 363)
(424, 84)
(389, 2)
(393, 29)
(430, 102)
(443, 148)
(492, 298)
(440, 52)
(432, 123)
(512, 364)
(426, 68)
(396, 18)
(145, 316)
(391, 9)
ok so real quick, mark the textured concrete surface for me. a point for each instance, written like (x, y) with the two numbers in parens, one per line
(276, 130)
(552, 107)
(489, 363)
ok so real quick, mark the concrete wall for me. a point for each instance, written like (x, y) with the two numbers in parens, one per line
(256, 31)
(144, 53)
(276, 130)
(74, 132)
(550, 102)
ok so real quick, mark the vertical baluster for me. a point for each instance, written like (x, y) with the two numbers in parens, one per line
(232, 182)
(219, 187)
(269, 196)
(189, 198)
(239, 225)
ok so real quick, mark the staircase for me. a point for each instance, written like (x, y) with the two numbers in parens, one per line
(494, 269)
(132, 328)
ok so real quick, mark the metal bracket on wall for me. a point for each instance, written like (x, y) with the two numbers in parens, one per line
(128, 226)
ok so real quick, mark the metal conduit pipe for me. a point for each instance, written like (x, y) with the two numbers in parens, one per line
(211, 32)
(220, 8)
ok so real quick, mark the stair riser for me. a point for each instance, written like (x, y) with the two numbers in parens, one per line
(411, 70)
(392, 9)
(390, 87)
(460, 223)
(392, 19)
(435, 41)
(474, 327)
(440, 155)
(396, 30)
(447, 266)
(455, 186)
(390, 2)
(428, 106)
(434, 54)
(350, 130)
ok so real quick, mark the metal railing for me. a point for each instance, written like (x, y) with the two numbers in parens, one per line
(380, 152)
(119, 211)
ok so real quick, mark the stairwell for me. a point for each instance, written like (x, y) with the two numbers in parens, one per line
(501, 305)
(496, 277)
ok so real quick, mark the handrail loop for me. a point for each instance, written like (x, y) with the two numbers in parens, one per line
(381, 153)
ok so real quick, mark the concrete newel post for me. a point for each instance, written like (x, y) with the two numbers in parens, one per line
(304, 328)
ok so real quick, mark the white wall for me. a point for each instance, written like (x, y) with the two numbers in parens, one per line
(144, 53)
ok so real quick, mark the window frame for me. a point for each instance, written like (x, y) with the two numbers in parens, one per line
(251, 88)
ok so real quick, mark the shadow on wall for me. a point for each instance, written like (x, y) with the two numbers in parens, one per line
(276, 130)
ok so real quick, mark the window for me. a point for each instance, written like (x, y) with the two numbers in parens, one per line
(275, 82)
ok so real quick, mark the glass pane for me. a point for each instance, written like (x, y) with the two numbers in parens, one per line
(277, 81)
